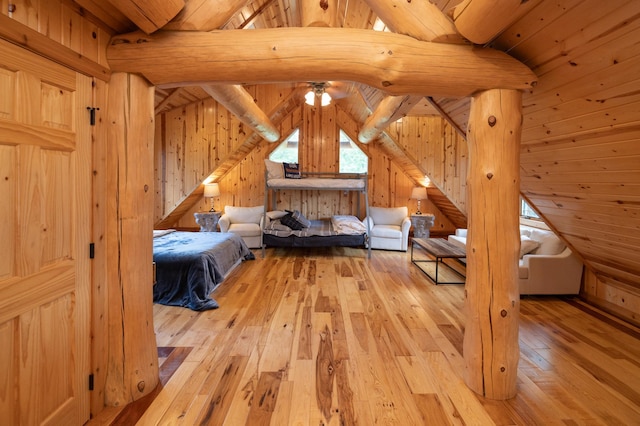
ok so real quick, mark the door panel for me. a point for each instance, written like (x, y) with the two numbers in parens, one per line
(45, 181)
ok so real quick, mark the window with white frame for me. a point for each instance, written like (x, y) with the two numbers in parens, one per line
(526, 211)
(287, 151)
(352, 159)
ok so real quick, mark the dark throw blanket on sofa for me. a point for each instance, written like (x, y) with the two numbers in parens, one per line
(190, 265)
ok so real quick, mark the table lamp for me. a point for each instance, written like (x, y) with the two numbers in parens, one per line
(211, 190)
(419, 193)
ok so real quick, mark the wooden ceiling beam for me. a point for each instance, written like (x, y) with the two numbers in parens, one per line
(389, 110)
(149, 15)
(421, 20)
(240, 103)
(205, 15)
(314, 13)
(480, 21)
(394, 63)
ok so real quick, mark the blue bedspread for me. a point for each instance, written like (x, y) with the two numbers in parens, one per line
(190, 265)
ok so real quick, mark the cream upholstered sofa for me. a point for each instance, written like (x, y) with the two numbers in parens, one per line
(546, 266)
(388, 228)
(245, 222)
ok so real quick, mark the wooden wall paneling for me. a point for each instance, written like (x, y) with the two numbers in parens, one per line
(81, 220)
(557, 29)
(379, 187)
(613, 296)
(613, 117)
(92, 38)
(439, 152)
(159, 169)
(50, 20)
(175, 143)
(99, 294)
(25, 12)
(71, 30)
(584, 80)
(434, 153)
(523, 32)
(223, 124)
(426, 130)
(194, 138)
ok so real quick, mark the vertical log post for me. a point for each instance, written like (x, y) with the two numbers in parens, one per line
(492, 300)
(133, 356)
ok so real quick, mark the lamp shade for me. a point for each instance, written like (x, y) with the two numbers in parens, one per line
(419, 193)
(325, 99)
(310, 98)
(211, 190)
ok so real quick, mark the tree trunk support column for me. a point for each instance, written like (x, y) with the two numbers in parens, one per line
(492, 300)
(133, 356)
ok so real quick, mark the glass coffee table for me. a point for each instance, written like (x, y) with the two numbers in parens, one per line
(430, 261)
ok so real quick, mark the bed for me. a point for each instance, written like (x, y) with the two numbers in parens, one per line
(190, 265)
(340, 230)
(284, 176)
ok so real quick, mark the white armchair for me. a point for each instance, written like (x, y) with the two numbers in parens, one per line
(245, 222)
(389, 228)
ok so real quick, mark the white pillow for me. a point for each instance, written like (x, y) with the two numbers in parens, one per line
(549, 242)
(244, 214)
(276, 214)
(527, 245)
(274, 170)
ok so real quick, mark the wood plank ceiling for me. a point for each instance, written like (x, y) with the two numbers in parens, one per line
(580, 151)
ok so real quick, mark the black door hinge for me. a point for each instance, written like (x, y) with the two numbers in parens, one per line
(90, 382)
(92, 250)
(92, 115)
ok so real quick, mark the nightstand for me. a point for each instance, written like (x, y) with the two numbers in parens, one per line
(421, 224)
(208, 221)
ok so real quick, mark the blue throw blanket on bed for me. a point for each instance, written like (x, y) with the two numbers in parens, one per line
(190, 265)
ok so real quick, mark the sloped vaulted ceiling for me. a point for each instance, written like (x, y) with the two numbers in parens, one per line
(580, 150)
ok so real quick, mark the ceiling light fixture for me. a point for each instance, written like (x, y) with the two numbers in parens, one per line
(317, 91)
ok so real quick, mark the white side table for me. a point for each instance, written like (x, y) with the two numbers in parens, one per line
(421, 224)
(208, 221)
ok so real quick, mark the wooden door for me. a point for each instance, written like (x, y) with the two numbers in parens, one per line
(45, 188)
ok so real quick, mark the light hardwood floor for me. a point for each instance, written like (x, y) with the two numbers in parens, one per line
(329, 337)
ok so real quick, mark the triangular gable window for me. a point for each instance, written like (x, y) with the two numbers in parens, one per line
(287, 151)
(352, 159)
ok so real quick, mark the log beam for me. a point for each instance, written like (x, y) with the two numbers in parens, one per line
(421, 20)
(149, 15)
(394, 63)
(314, 13)
(205, 15)
(240, 103)
(492, 297)
(389, 110)
(480, 21)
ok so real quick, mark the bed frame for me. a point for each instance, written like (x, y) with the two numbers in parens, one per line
(319, 181)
